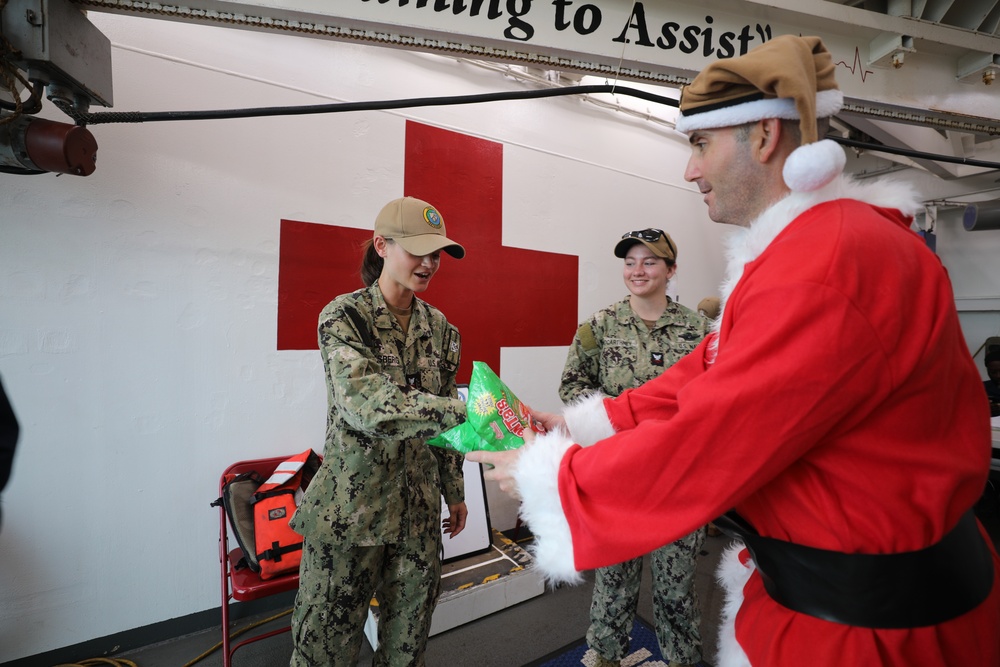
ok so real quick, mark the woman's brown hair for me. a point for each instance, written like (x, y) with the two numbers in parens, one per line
(371, 263)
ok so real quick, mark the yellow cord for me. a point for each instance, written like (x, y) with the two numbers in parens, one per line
(115, 662)
(121, 662)
(232, 636)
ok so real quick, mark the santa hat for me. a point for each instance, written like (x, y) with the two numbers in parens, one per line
(788, 77)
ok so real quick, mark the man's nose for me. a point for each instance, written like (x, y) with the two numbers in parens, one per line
(691, 172)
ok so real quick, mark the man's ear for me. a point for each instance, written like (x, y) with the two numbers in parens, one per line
(770, 132)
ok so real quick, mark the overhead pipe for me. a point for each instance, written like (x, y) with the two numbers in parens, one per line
(982, 216)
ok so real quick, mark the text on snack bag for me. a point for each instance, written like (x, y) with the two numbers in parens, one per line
(509, 417)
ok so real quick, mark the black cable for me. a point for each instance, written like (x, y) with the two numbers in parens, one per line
(20, 170)
(151, 116)
(340, 107)
(30, 106)
(906, 152)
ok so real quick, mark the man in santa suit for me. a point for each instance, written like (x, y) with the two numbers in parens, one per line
(835, 408)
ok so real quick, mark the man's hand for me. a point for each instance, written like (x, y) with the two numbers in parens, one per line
(502, 467)
(455, 521)
(550, 420)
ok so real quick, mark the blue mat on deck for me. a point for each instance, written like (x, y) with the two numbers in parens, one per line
(643, 651)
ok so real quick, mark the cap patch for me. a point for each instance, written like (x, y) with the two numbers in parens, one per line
(432, 217)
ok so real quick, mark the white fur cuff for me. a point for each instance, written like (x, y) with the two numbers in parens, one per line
(588, 420)
(537, 478)
(732, 575)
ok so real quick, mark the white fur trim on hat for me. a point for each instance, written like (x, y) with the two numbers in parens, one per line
(812, 166)
(588, 420)
(828, 102)
(537, 477)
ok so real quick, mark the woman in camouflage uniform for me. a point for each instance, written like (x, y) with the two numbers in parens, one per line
(371, 518)
(623, 346)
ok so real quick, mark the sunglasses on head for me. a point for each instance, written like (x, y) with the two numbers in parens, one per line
(652, 236)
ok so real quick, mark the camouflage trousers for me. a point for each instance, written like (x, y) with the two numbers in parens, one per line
(336, 584)
(676, 611)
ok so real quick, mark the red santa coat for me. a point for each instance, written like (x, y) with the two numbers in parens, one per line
(837, 407)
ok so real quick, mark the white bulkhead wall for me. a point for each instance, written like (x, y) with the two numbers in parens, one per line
(138, 337)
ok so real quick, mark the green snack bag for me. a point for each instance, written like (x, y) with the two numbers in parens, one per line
(495, 418)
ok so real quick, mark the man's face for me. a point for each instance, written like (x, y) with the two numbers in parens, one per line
(724, 169)
(993, 370)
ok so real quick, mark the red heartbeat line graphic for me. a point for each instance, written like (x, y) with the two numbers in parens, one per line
(856, 66)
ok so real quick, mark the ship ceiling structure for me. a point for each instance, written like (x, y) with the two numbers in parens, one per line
(916, 74)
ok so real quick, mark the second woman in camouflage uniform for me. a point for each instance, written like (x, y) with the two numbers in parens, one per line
(371, 518)
(623, 346)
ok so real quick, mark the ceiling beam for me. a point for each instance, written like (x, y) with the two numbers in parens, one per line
(652, 41)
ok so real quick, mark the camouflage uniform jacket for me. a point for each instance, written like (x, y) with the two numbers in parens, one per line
(387, 393)
(614, 350)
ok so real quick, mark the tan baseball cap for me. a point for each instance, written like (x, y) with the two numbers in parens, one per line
(417, 226)
(657, 240)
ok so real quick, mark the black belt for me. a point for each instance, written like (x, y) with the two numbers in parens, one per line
(904, 590)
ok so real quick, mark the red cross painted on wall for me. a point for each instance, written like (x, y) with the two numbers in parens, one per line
(497, 296)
